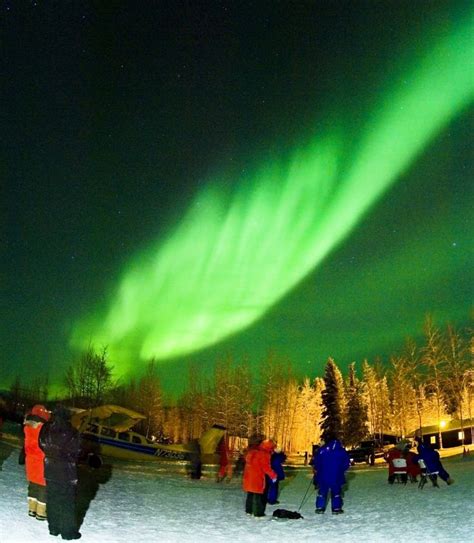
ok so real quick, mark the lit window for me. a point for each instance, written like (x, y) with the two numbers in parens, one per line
(460, 436)
(433, 440)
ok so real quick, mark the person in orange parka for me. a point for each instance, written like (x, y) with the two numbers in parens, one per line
(34, 462)
(257, 465)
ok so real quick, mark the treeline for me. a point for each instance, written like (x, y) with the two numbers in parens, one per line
(421, 386)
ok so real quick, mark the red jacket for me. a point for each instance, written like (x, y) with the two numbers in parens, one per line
(34, 456)
(257, 465)
(412, 464)
(390, 456)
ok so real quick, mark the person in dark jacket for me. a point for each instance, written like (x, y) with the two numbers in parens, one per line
(60, 442)
(434, 467)
(33, 458)
(331, 463)
(276, 461)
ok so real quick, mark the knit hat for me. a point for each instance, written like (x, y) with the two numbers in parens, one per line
(41, 411)
(268, 445)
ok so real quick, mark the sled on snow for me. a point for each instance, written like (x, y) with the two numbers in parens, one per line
(106, 430)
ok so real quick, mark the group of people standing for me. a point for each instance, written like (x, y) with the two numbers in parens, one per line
(50, 454)
(52, 447)
(410, 468)
(264, 469)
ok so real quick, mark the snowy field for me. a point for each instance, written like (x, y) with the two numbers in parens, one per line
(150, 503)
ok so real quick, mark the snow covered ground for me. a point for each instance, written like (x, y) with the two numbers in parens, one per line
(147, 503)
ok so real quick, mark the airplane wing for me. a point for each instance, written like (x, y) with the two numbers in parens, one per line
(118, 418)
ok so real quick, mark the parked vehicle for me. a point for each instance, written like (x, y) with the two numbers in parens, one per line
(368, 451)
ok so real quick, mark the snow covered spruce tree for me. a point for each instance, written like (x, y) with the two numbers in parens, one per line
(355, 424)
(332, 421)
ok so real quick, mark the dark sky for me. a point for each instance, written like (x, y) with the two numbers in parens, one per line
(116, 116)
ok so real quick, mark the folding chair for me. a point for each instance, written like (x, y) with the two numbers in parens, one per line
(426, 474)
(400, 470)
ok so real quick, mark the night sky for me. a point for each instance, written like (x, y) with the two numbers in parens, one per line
(192, 180)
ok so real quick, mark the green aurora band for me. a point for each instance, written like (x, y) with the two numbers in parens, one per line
(238, 251)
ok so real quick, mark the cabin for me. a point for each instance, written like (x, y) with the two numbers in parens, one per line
(452, 434)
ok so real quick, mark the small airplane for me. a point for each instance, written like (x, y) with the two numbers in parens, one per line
(107, 430)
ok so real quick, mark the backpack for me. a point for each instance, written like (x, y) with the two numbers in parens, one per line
(284, 513)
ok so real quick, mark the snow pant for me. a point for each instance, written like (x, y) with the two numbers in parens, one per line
(61, 501)
(403, 477)
(37, 501)
(443, 474)
(255, 504)
(272, 492)
(322, 497)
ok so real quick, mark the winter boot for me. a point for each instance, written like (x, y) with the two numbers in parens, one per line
(32, 505)
(337, 511)
(70, 536)
(450, 481)
(41, 511)
(319, 510)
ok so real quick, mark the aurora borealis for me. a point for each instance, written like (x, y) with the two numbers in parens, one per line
(333, 241)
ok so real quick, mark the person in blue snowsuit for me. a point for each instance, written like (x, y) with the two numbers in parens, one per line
(331, 463)
(432, 461)
(277, 459)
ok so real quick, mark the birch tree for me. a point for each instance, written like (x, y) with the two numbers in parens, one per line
(433, 358)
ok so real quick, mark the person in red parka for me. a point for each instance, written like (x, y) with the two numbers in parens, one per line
(225, 465)
(34, 462)
(394, 453)
(413, 468)
(257, 465)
